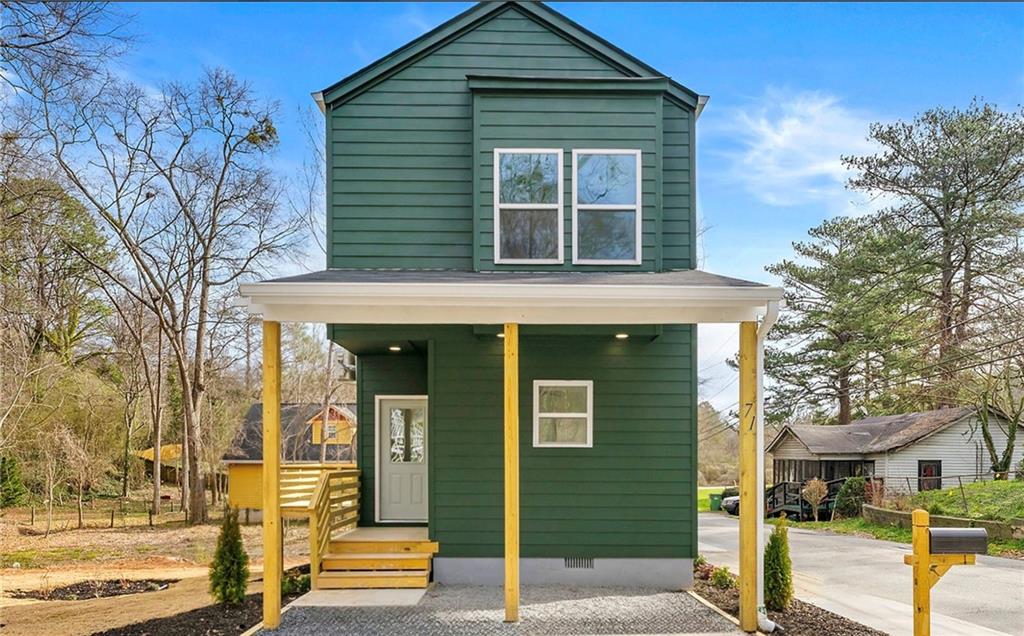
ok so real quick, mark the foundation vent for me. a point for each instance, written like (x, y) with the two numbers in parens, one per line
(579, 563)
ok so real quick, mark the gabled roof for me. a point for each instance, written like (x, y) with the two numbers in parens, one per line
(398, 59)
(873, 434)
(296, 437)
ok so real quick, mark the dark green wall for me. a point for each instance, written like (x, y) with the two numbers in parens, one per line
(400, 154)
(631, 495)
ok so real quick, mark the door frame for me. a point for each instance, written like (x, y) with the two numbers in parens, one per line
(377, 463)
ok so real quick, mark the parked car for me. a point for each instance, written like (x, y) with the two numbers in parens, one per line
(731, 505)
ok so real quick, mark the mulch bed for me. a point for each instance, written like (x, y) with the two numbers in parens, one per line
(801, 619)
(95, 589)
(212, 620)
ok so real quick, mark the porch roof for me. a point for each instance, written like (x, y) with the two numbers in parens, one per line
(462, 297)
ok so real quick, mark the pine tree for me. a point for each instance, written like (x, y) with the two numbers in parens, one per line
(229, 572)
(778, 569)
(12, 489)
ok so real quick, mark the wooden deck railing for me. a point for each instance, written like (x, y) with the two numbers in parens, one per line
(298, 481)
(334, 506)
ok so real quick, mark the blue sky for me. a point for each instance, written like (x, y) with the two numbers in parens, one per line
(792, 87)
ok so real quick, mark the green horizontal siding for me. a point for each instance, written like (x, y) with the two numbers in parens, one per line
(401, 152)
(678, 224)
(631, 495)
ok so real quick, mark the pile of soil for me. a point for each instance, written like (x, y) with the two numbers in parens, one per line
(95, 589)
(211, 620)
(801, 619)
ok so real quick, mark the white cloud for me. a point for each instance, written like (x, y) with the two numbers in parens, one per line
(785, 149)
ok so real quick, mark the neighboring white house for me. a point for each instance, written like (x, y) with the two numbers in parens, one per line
(913, 451)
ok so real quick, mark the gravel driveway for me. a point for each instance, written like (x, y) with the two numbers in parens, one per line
(448, 610)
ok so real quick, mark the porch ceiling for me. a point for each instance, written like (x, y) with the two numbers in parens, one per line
(449, 297)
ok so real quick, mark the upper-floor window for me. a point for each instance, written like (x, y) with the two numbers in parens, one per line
(606, 213)
(528, 205)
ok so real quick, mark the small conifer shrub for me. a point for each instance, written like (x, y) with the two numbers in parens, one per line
(12, 488)
(229, 571)
(778, 569)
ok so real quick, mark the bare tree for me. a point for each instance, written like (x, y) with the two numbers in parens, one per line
(180, 183)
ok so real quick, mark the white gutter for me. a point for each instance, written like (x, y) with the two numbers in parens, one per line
(770, 316)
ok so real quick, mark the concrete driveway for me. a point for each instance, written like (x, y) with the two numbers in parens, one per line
(865, 580)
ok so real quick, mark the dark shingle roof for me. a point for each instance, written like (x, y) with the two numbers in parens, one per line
(683, 277)
(296, 437)
(875, 434)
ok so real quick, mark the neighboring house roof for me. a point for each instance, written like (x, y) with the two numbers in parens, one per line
(873, 434)
(599, 47)
(296, 434)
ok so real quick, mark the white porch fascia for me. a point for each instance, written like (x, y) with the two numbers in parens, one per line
(500, 303)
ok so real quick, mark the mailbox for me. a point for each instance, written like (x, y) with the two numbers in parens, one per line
(958, 540)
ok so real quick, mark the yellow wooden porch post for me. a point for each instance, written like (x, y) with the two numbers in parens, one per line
(748, 476)
(922, 575)
(271, 474)
(511, 472)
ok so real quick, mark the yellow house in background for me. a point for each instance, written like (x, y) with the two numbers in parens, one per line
(302, 433)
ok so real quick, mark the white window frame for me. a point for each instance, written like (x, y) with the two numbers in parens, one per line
(498, 206)
(537, 414)
(637, 206)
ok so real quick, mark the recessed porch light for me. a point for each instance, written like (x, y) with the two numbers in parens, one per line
(621, 336)
(395, 348)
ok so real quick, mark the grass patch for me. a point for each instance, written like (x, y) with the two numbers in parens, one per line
(1013, 548)
(997, 500)
(704, 497)
(50, 557)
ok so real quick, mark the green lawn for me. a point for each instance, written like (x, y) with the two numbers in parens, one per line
(997, 547)
(999, 500)
(704, 497)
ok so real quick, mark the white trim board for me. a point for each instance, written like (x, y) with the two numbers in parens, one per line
(498, 303)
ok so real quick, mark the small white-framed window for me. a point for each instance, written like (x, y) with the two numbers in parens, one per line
(563, 413)
(607, 217)
(528, 195)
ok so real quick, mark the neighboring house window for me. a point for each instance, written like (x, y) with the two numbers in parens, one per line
(606, 213)
(929, 475)
(332, 430)
(528, 206)
(563, 413)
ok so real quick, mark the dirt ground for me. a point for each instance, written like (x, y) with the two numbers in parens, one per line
(30, 561)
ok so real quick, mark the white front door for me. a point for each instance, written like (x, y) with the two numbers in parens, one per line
(401, 458)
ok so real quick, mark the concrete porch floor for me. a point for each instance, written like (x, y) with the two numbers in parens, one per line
(448, 610)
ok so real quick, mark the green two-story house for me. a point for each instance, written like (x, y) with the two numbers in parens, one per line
(512, 229)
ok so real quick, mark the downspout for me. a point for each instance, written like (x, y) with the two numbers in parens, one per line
(770, 316)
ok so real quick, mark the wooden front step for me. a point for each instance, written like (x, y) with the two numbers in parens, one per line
(374, 580)
(376, 561)
(383, 547)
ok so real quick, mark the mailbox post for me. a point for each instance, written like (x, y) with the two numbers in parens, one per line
(935, 550)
